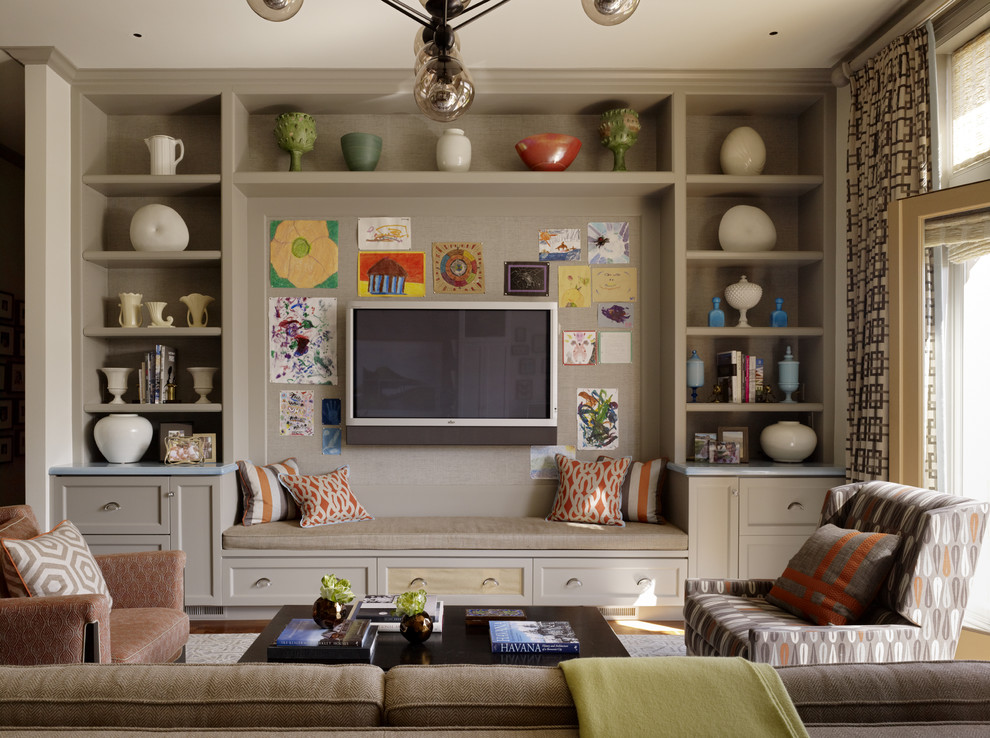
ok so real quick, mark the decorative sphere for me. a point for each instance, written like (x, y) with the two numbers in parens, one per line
(743, 152)
(746, 228)
(158, 227)
(122, 438)
(788, 441)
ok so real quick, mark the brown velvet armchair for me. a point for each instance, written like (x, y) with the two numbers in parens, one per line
(147, 623)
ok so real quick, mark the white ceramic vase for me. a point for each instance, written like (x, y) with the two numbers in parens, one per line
(157, 227)
(453, 151)
(196, 313)
(123, 437)
(202, 381)
(743, 152)
(158, 320)
(117, 382)
(788, 441)
(743, 295)
(746, 228)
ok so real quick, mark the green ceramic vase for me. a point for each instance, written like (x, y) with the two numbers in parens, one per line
(361, 151)
(619, 130)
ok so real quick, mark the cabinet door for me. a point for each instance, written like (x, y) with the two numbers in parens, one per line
(713, 532)
(198, 534)
(766, 557)
(114, 505)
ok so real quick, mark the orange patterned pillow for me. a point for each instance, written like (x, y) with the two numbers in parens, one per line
(589, 491)
(326, 499)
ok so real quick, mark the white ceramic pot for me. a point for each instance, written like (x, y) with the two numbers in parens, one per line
(453, 151)
(122, 438)
(746, 228)
(788, 441)
(743, 295)
(158, 227)
(743, 152)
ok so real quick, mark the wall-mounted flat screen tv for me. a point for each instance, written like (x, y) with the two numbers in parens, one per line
(423, 373)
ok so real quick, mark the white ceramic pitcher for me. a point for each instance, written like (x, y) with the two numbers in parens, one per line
(129, 315)
(166, 152)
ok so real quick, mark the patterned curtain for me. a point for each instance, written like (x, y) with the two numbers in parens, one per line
(889, 158)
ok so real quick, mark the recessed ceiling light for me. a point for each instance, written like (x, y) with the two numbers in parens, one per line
(773, 33)
(138, 35)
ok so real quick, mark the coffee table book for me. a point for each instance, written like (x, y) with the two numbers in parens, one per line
(532, 636)
(481, 616)
(382, 614)
(304, 640)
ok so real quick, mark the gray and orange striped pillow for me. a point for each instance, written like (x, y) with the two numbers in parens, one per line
(265, 498)
(641, 490)
(835, 575)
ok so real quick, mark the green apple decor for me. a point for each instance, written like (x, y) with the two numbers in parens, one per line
(295, 133)
(416, 626)
(334, 594)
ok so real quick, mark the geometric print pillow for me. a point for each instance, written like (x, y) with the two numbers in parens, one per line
(265, 498)
(20, 528)
(835, 575)
(54, 563)
(589, 491)
(326, 499)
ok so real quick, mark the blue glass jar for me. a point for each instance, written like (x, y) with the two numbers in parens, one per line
(778, 318)
(716, 318)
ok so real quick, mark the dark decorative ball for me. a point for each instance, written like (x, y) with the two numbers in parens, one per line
(416, 628)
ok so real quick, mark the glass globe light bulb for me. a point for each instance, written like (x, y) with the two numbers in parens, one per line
(609, 12)
(275, 10)
(454, 7)
(420, 41)
(444, 89)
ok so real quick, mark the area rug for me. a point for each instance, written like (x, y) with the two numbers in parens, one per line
(226, 648)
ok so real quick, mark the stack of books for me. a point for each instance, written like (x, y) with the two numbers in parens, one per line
(533, 636)
(739, 375)
(157, 371)
(380, 610)
(303, 640)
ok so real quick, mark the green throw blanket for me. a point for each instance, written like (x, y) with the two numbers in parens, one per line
(680, 696)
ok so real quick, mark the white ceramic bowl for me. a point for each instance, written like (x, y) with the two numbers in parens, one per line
(746, 228)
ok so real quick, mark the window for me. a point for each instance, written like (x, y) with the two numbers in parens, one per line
(970, 91)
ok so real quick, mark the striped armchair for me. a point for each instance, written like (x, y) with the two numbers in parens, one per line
(916, 615)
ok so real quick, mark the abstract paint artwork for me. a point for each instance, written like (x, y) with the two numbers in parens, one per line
(331, 442)
(615, 315)
(608, 243)
(303, 253)
(527, 278)
(543, 462)
(573, 286)
(384, 234)
(391, 274)
(598, 419)
(613, 284)
(302, 340)
(295, 412)
(580, 348)
(560, 244)
(458, 268)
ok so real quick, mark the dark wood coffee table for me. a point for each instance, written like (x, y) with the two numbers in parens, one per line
(458, 644)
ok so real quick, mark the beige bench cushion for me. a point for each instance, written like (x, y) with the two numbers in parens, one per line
(467, 533)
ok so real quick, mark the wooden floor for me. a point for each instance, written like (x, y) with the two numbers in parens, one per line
(627, 627)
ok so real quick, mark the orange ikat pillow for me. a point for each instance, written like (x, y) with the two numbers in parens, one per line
(325, 499)
(589, 491)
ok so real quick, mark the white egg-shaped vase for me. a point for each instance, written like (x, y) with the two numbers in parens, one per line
(453, 151)
(122, 437)
(788, 441)
(743, 152)
(746, 228)
(158, 227)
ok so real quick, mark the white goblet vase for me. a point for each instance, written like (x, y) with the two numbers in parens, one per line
(117, 382)
(743, 295)
(202, 381)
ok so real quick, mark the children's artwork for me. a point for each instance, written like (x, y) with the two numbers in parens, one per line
(384, 234)
(598, 419)
(391, 274)
(613, 284)
(303, 340)
(560, 244)
(615, 315)
(458, 267)
(543, 461)
(615, 347)
(608, 243)
(331, 412)
(331, 441)
(580, 348)
(295, 412)
(527, 278)
(303, 253)
(573, 286)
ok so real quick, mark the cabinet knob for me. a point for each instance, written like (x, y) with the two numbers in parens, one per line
(418, 583)
(574, 583)
(645, 583)
(112, 506)
(170, 494)
(795, 506)
(735, 491)
(263, 582)
(490, 583)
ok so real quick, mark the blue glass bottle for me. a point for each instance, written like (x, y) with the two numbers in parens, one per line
(716, 318)
(778, 318)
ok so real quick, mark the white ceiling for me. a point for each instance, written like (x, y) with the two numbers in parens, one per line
(525, 34)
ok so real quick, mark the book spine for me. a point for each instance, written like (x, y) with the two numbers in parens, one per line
(535, 648)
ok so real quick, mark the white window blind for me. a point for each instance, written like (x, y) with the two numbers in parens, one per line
(971, 102)
(966, 235)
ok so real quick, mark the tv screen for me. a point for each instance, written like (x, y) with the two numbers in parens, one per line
(436, 372)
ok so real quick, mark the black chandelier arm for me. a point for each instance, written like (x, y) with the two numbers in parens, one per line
(476, 6)
(410, 12)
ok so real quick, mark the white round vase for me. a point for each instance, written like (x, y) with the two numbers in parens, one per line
(158, 227)
(788, 441)
(746, 228)
(122, 437)
(743, 152)
(453, 151)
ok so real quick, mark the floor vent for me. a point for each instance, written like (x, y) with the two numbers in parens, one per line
(204, 610)
(614, 613)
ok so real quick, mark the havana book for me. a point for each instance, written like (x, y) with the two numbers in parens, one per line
(532, 636)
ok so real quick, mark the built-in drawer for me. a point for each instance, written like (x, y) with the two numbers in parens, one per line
(625, 582)
(290, 581)
(100, 544)
(460, 581)
(789, 506)
(125, 505)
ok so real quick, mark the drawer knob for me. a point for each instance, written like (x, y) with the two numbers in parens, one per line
(263, 582)
(645, 583)
(795, 506)
(112, 506)
(574, 583)
(418, 583)
(490, 583)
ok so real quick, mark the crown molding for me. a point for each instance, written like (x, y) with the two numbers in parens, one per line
(47, 55)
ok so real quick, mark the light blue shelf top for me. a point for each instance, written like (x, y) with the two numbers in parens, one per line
(143, 469)
(757, 469)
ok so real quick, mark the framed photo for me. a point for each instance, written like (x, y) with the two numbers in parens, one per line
(184, 450)
(16, 377)
(6, 306)
(4, 372)
(6, 414)
(530, 278)
(21, 417)
(22, 343)
(21, 441)
(171, 430)
(703, 446)
(740, 437)
(21, 312)
(6, 449)
(209, 441)
(6, 340)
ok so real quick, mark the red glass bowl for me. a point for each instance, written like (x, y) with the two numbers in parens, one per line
(548, 152)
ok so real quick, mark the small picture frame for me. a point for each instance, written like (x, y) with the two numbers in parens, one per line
(170, 430)
(21, 312)
(739, 435)
(17, 377)
(7, 339)
(184, 450)
(4, 373)
(6, 306)
(527, 278)
(6, 449)
(6, 414)
(703, 445)
(209, 441)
